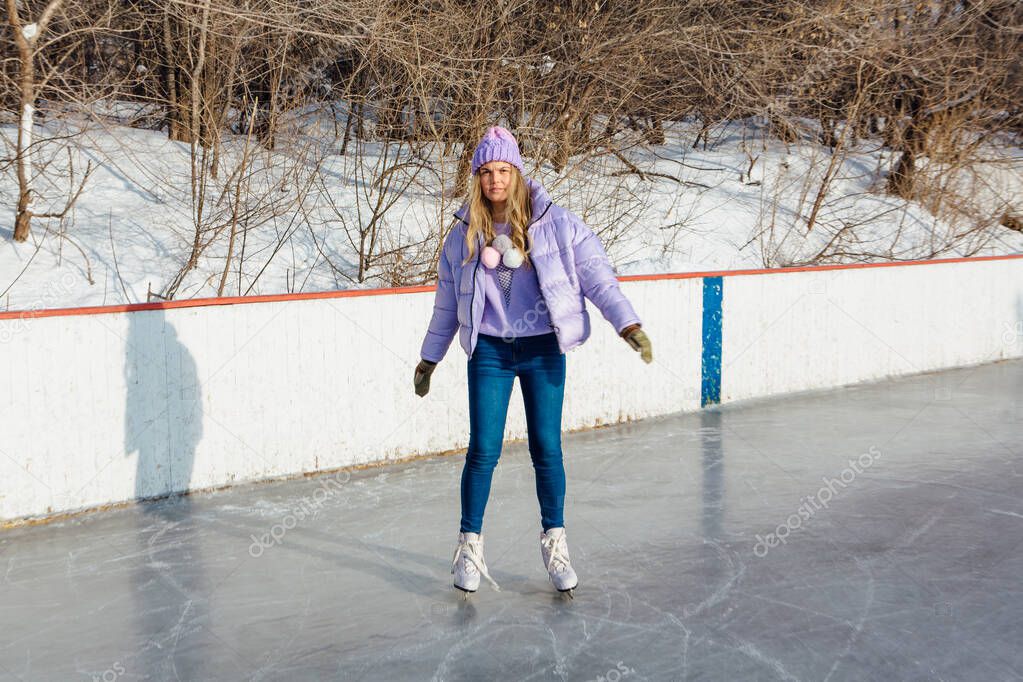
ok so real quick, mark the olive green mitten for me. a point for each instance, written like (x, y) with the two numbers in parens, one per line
(421, 379)
(638, 339)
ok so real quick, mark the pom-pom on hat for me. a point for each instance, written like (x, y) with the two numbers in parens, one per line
(498, 144)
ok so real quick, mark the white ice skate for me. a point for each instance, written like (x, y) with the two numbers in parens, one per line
(554, 550)
(468, 564)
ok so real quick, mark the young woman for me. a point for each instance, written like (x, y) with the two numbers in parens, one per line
(511, 280)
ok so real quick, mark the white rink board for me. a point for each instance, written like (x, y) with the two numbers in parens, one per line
(107, 408)
(824, 328)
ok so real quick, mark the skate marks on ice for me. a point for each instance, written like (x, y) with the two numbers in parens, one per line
(910, 573)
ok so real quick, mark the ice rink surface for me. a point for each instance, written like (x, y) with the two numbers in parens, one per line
(872, 532)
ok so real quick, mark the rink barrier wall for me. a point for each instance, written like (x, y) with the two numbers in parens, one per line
(111, 404)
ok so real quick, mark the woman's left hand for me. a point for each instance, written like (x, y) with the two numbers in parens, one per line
(637, 338)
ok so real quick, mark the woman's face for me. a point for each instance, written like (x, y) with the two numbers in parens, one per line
(495, 177)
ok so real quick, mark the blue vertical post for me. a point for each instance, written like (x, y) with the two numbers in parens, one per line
(710, 388)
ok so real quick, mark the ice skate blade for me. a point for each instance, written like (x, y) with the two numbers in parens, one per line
(568, 593)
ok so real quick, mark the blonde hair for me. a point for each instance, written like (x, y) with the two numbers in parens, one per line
(518, 210)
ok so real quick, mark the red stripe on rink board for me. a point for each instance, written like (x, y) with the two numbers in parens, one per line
(349, 293)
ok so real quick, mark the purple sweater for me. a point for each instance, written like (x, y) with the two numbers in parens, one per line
(526, 313)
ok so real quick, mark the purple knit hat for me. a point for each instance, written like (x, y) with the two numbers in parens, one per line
(498, 144)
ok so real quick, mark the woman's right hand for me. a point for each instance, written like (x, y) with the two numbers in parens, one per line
(421, 378)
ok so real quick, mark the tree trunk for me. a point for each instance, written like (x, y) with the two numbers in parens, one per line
(23, 216)
(177, 116)
(25, 38)
(471, 134)
(564, 138)
(900, 182)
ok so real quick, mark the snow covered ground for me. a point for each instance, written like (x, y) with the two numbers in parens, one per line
(299, 211)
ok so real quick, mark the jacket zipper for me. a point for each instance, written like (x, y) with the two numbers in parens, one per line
(473, 299)
(546, 208)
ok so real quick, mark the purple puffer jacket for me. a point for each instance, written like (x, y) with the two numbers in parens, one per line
(570, 263)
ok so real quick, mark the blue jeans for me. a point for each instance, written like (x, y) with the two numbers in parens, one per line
(540, 366)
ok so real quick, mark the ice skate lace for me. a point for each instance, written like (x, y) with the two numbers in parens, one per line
(471, 551)
(557, 553)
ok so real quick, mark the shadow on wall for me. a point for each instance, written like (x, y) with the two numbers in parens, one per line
(163, 406)
(162, 428)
